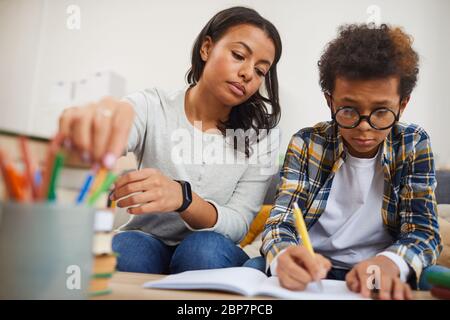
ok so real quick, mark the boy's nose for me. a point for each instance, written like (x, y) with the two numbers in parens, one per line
(364, 124)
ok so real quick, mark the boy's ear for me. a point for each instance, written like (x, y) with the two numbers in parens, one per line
(403, 104)
(206, 48)
(328, 99)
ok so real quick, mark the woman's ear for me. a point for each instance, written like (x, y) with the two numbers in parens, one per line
(206, 48)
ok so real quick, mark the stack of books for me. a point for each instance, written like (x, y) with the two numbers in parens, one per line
(105, 260)
(440, 280)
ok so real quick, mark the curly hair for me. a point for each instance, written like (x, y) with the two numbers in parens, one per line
(366, 51)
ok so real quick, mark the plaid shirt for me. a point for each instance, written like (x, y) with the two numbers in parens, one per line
(409, 211)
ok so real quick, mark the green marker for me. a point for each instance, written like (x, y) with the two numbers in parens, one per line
(439, 278)
(57, 166)
(109, 180)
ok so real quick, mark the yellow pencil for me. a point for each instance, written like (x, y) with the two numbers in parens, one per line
(301, 229)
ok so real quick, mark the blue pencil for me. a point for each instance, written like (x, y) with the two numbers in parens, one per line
(84, 190)
(38, 178)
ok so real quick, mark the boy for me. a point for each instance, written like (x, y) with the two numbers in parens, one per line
(364, 181)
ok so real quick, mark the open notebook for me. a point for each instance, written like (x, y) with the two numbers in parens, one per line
(251, 282)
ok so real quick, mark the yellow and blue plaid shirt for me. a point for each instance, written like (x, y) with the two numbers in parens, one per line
(409, 211)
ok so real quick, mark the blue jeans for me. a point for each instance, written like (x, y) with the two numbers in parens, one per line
(339, 274)
(140, 252)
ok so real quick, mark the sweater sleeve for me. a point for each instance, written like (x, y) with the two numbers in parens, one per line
(144, 103)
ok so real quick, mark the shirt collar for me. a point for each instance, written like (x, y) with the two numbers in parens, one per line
(339, 150)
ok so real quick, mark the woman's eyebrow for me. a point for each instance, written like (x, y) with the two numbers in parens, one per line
(247, 47)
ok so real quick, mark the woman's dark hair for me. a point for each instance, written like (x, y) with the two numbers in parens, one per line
(367, 51)
(253, 113)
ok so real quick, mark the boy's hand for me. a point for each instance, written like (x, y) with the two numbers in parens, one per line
(391, 287)
(99, 131)
(154, 192)
(296, 267)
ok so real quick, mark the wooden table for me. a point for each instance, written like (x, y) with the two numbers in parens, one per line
(128, 286)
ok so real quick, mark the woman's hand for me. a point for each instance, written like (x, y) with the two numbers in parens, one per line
(150, 190)
(99, 131)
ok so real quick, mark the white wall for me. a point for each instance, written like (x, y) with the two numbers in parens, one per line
(149, 43)
(19, 28)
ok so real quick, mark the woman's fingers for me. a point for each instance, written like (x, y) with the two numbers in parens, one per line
(101, 129)
(150, 207)
(134, 176)
(132, 187)
(120, 127)
(81, 133)
(66, 120)
(138, 199)
(136, 181)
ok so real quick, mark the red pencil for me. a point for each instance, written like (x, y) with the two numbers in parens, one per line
(5, 174)
(48, 169)
(29, 168)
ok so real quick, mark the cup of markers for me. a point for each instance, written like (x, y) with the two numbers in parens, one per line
(46, 245)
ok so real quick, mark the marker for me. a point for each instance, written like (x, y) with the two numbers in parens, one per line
(13, 179)
(59, 161)
(38, 179)
(109, 180)
(98, 180)
(17, 191)
(26, 158)
(85, 188)
(48, 168)
(5, 175)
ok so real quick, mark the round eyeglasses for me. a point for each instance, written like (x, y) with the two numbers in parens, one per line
(379, 119)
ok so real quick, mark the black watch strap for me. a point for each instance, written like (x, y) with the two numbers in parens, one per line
(186, 193)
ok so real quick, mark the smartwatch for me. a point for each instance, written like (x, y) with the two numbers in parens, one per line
(186, 193)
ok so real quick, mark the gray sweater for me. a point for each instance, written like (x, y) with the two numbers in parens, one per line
(234, 184)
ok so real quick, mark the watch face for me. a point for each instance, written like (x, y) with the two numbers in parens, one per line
(188, 191)
(187, 195)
